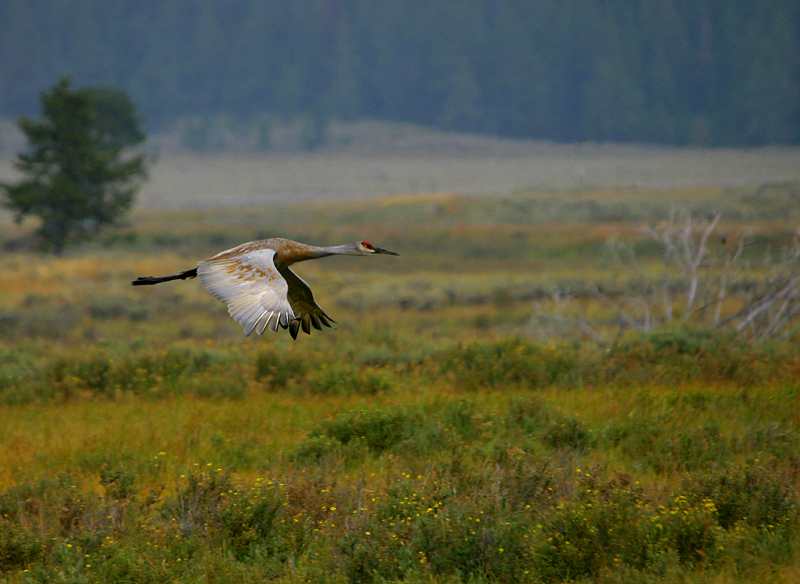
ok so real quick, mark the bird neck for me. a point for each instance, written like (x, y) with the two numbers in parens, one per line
(323, 252)
(302, 252)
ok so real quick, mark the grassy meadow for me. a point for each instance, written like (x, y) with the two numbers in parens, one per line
(480, 414)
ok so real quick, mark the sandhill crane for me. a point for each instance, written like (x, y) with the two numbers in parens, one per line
(261, 292)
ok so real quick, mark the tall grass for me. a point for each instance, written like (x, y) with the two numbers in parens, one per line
(426, 439)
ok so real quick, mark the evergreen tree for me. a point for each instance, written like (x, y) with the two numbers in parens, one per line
(76, 178)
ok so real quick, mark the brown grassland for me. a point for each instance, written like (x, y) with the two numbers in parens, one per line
(480, 414)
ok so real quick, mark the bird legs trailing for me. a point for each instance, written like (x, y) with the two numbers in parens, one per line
(150, 280)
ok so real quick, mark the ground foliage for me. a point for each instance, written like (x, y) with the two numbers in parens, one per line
(143, 439)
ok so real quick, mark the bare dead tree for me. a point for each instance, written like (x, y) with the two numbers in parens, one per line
(699, 284)
(767, 312)
(684, 250)
(557, 318)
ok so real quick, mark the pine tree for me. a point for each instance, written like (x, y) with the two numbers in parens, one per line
(76, 178)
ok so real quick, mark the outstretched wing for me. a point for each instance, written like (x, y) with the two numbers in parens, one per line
(306, 310)
(250, 284)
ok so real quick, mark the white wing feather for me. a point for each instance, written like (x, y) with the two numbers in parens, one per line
(251, 286)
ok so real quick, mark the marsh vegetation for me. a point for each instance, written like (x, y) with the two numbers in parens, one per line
(460, 425)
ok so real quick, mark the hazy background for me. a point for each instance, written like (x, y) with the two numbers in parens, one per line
(710, 72)
(249, 102)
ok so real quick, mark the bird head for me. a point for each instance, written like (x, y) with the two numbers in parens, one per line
(366, 248)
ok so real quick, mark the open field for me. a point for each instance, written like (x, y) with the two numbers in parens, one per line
(446, 431)
(369, 159)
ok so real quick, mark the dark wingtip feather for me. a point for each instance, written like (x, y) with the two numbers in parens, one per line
(294, 327)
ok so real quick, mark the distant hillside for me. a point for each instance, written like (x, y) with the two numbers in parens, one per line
(707, 72)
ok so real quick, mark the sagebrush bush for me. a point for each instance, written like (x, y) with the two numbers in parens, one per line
(610, 523)
(550, 427)
(487, 365)
(119, 484)
(692, 530)
(657, 444)
(348, 379)
(278, 369)
(249, 522)
(530, 482)
(752, 494)
(19, 547)
(199, 502)
(152, 373)
(417, 531)
(565, 432)
(773, 439)
(674, 356)
(378, 429)
(470, 540)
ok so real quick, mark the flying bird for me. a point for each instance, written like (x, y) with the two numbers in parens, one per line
(261, 292)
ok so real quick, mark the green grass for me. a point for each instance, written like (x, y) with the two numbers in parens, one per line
(427, 439)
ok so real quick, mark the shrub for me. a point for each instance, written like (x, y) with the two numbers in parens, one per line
(605, 526)
(199, 502)
(89, 372)
(119, 484)
(470, 540)
(18, 546)
(691, 529)
(529, 414)
(378, 429)
(314, 449)
(249, 522)
(461, 417)
(487, 365)
(753, 495)
(609, 525)
(278, 369)
(553, 428)
(675, 356)
(416, 530)
(529, 482)
(665, 449)
(203, 372)
(774, 439)
(566, 432)
(346, 379)
(374, 552)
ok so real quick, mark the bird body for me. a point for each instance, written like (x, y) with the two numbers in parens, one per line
(261, 292)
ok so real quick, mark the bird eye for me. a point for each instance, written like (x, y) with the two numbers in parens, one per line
(366, 244)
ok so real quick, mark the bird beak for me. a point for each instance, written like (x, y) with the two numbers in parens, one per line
(386, 251)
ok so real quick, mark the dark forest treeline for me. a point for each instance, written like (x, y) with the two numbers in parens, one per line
(668, 71)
